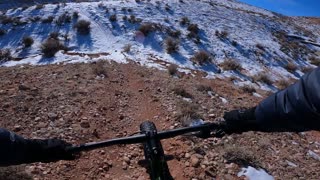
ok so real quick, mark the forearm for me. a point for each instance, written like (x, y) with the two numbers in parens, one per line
(15, 149)
(299, 102)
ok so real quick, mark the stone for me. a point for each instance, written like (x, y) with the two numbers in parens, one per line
(85, 124)
(124, 166)
(23, 87)
(195, 161)
(52, 116)
(17, 128)
(126, 159)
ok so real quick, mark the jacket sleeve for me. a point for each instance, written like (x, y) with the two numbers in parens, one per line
(13, 148)
(299, 102)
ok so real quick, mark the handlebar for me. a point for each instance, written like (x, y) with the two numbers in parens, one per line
(207, 127)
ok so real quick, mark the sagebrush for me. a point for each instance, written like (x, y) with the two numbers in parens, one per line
(201, 57)
(51, 46)
(83, 27)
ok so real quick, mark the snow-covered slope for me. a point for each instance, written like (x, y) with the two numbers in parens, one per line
(254, 37)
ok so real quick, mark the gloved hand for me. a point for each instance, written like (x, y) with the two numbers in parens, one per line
(241, 120)
(49, 150)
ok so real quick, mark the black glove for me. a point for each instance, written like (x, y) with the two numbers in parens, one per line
(49, 150)
(241, 120)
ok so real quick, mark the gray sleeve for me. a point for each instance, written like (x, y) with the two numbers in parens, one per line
(299, 102)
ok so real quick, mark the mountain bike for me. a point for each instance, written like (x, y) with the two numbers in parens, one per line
(153, 151)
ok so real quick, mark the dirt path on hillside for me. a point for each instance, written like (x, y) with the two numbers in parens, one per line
(74, 103)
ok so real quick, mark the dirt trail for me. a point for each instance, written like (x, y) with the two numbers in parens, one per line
(75, 102)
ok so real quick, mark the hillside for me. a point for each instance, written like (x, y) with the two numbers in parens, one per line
(89, 71)
(239, 40)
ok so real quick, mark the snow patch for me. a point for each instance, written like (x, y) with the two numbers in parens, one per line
(254, 174)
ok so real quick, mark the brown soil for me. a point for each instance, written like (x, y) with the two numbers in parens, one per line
(73, 103)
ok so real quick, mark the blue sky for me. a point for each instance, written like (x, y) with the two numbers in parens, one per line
(289, 7)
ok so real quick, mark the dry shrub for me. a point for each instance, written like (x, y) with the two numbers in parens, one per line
(187, 112)
(146, 28)
(2, 32)
(263, 77)
(234, 43)
(291, 67)
(39, 6)
(260, 46)
(75, 15)
(173, 69)
(185, 21)
(126, 48)
(307, 69)
(182, 92)
(241, 156)
(283, 83)
(201, 57)
(248, 89)
(64, 18)
(315, 61)
(174, 33)
(172, 45)
(83, 27)
(132, 19)
(6, 19)
(204, 88)
(27, 41)
(99, 68)
(193, 28)
(5, 55)
(54, 35)
(222, 34)
(124, 18)
(101, 5)
(51, 46)
(49, 19)
(231, 64)
(113, 18)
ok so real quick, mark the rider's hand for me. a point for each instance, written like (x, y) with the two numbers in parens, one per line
(50, 150)
(239, 120)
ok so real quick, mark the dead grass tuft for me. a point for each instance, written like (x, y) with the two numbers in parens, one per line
(263, 77)
(248, 89)
(203, 88)
(99, 68)
(51, 46)
(171, 45)
(241, 156)
(5, 55)
(27, 41)
(231, 64)
(173, 69)
(201, 57)
(83, 27)
(184, 21)
(291, 67)
(182, 92)
(127, 48)
(146, 28)
(314, 60)
(187, 112)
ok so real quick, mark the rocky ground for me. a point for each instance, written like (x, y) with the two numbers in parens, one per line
(96, 101)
